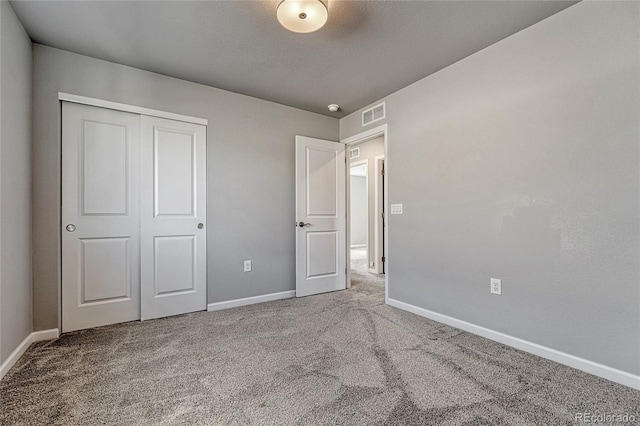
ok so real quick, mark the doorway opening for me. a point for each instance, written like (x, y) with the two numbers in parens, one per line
(323, 239)
(366, 176)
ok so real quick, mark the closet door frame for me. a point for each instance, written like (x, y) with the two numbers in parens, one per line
(130, 108)
(83, 100)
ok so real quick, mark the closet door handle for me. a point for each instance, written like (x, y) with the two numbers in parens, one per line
(71, 227)
(200, 225)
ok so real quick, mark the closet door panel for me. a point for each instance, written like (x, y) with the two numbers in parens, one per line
(100, 217)
(173, 217)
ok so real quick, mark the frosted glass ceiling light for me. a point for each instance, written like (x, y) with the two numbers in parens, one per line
(302, 16)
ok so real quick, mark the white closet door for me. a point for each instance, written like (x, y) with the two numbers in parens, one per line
(173, 217)
(100, 217)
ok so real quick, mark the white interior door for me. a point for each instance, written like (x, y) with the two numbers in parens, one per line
(173, 217)
(100, 217)
(320, 216)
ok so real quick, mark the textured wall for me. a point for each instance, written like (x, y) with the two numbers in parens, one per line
(15, 183)
(521, 162)
(250, 172)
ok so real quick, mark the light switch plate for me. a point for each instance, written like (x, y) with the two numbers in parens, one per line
(396, 208)
(247, 266)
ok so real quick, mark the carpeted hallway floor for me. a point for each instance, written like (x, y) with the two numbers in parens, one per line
(342, 358)
(360, 269)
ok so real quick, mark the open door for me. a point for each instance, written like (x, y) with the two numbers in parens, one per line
(320, 216)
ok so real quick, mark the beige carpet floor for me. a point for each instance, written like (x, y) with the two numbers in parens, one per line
(342, 358)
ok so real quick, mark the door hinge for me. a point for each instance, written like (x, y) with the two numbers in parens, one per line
(383, 259)
(382, 215)
(382, 172)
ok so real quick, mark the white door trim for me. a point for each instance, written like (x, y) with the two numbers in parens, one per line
(362, 137)
(130, 108)
(378, 209)
(367, 135)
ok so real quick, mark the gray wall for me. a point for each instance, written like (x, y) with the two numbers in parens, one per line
(15, 182)
(250, 172)
(369, 151)
(520, 162)
(358, 225)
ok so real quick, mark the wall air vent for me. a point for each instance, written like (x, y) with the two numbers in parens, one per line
(373, 114)
(354, 153)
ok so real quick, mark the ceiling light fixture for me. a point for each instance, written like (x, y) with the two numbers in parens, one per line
(303, 16)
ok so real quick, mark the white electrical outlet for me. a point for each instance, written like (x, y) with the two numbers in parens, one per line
(247, 266)
(496, 286)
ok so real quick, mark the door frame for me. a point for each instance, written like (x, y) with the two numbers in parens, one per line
(350, 142)
(101, 103)
(379, 210)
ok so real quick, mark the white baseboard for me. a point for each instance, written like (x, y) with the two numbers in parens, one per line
(39, 336)
(15, 355)
(36, 336)
(600, 370)
(218, 306)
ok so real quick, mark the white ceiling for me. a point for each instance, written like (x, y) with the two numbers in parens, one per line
(367, 50)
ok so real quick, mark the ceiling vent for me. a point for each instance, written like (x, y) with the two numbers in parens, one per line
(354, 153)
(373, 114)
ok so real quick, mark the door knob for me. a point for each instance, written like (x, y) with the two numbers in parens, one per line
(71, 227)
(302, 224)
(200, 225)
